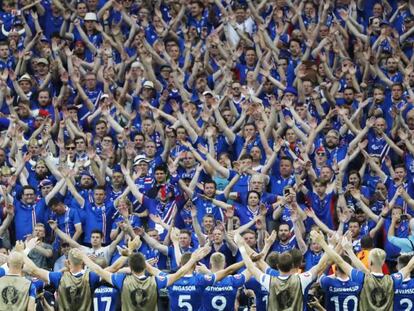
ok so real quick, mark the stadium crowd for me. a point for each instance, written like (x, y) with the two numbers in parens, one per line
(206, 155)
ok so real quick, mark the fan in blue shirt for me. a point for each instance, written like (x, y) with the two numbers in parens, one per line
(98, 215)
(27, 213)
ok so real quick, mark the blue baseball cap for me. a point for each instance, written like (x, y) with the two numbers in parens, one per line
(291, 90)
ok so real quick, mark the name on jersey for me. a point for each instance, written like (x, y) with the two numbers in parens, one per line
(343, 289)
(104, 290)
(219, 288)
(404, 291)
(184, 288)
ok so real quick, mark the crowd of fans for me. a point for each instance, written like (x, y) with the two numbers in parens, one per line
(271, 139)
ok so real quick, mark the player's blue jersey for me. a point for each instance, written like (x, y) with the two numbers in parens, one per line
(185, 294)
(106, 298)
(404, 295)
(341, 295)
(221, 295)
(261, 294)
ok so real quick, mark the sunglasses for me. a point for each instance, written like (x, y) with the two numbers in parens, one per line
(70, 148)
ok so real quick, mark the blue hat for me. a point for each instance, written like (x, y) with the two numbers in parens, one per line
(45, 182)
(85, 173)
(44, 39)
(284, 38)
(384, 23)
(340, 101)
(291, 90)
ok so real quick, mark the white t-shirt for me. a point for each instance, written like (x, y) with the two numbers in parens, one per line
(103, 252)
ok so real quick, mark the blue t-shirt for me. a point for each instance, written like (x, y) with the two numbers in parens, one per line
(67, 221)
(340, 294)
(186, 293)
(171, 255)
(323, 207)
(98, 218)
(311, 259)
(205, 207)
(106, 298)
(26, 216)
(222, 294)
(261, 294)
(403, 295)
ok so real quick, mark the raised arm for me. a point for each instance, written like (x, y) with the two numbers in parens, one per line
(196, 226)
(311, 214)
(53, 225)
(393, 145)
(132, 186)
(32, 269)
(75, 193)
(347, 246)
(231, 137)
(406, 271)
(104, 274)
(155, 244)
(195, 257)
(298, 234)
(318, 238)
(250, 266)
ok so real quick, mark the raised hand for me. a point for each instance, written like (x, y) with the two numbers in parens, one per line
(316, 236)
(201, 253)
(270, 240)
(53, 224)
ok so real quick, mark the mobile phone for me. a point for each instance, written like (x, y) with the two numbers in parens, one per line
(404, 217)
(286, 192)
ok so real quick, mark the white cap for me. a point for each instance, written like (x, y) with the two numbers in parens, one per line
(137, 65)
(25, 77)
(140, 158)
(148, 84)
(90, 16)
(43, 61)
(208, 93)
(103, 96)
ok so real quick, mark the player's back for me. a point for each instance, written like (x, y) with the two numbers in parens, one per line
(341, 295)
(404, 296)
(185, 294)
(222, 295)
(262, 294)
(106, 298)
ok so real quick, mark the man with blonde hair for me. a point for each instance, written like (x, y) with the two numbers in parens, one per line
(16, 292)
(74, 287)
(378, 289)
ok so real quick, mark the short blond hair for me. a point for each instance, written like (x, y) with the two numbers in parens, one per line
(377, 257)
(75, 261)
(217, 260)
(15, 260)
